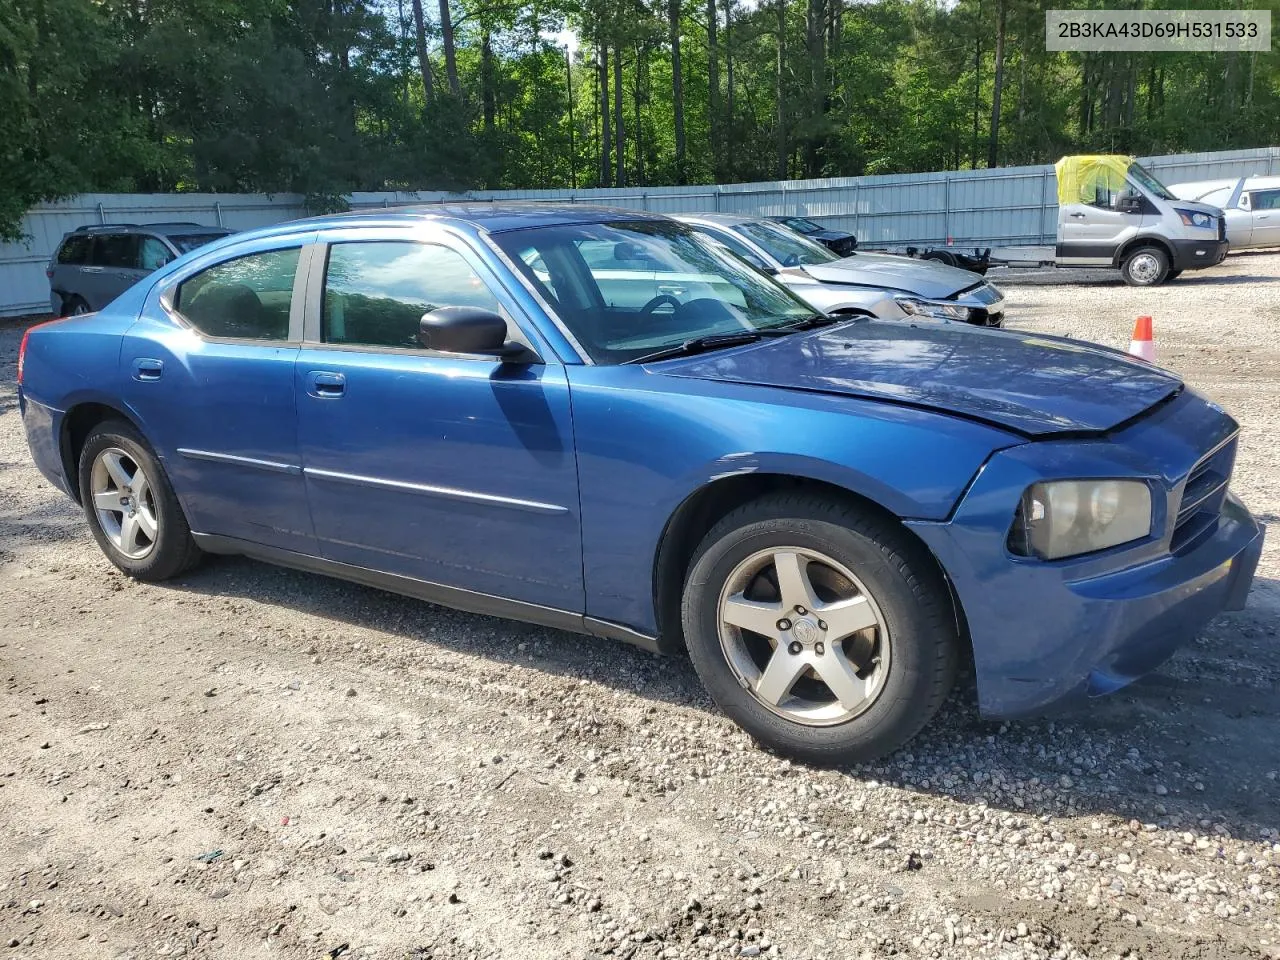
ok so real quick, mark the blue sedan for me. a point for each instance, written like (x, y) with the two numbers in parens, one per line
(595, 420)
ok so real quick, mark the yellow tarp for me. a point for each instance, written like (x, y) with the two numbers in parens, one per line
(1087, 178)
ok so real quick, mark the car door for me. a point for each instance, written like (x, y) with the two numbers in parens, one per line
(1092, 229)
(1264, 215)
(454, 470)
(209, 370)
(116, 256)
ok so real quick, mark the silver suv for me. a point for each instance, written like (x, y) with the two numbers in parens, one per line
(95, 264)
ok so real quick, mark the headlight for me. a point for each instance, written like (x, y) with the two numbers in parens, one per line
(1067, 518)
(1194, 218)
(936, 309)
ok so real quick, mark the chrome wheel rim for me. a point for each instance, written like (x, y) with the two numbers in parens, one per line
(803, 636)
(1144, 268)
(124, 502)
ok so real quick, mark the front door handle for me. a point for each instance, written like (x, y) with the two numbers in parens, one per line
(146, 369)
(326, 385)
(1078, 216)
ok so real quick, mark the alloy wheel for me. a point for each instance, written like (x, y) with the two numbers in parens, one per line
(803, 636)
(124, 502)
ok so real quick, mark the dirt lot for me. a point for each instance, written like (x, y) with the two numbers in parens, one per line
(387, 779)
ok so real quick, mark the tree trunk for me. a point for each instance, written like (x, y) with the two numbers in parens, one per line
(713, 90)
(450, 48)
(606, 135)
(728, 80)
(619, 129)
(997, 89)
(424, 63)
(488, 98)
(638, 99)
(779, 91)
(977, 83)
(677, 86)
(815, 42)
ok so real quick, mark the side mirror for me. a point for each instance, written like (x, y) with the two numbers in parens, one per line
(471, 330)
(1129, 202)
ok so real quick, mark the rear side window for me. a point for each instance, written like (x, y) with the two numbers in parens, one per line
(75, 249)
(117, 250)
(376, 292)
(248, 298)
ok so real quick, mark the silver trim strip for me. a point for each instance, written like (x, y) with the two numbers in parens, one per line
(447, 493)
(213, 457)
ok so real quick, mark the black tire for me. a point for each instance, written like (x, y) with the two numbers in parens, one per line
(901, 578)
(173, 550)
(73, 305)
(1146, 266)
(942, 256)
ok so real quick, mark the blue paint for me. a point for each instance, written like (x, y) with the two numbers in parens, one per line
(552, 483)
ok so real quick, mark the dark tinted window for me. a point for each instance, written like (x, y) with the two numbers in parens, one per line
(118, 250)
(189, 241)
(154, 254)
(247, 298)
(75, 249)
(376, 293)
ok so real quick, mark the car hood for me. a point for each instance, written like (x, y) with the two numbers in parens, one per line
(1197, 206)
(924, 278)
(1033, 385)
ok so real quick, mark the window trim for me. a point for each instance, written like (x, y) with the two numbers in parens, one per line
(305, 246)
(313, 334)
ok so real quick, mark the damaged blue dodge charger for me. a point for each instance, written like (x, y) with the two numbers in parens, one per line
(597, 421)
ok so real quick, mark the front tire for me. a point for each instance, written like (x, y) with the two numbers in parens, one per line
(1145, 267)
(823, 631)
(75, 306)
(130, 506)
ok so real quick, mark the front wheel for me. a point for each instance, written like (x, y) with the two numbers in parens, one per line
(131, 508)
(1145, 267)
(822, 630)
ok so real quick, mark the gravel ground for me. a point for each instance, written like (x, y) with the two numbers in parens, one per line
(253, 762)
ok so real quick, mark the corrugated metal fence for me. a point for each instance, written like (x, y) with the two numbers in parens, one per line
(1007, 205)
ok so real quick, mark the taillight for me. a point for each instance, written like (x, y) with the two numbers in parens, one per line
(22, 347)
(22, 354)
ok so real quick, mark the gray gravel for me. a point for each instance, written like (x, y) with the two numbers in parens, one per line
(388, 779)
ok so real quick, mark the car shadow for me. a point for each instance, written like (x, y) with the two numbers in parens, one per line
(1185, 748)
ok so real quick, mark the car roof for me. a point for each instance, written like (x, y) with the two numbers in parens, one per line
(1262, 183)
(169, 228)
(723, 219)
(492, 217)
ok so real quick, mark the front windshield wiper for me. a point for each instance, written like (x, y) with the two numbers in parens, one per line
(811, 322)
(701, 345)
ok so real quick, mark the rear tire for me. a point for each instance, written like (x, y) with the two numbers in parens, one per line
(130, 506)
(848, 675)
(75, 306)
(1145, 267)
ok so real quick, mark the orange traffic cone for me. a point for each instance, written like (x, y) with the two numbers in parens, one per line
(1142, 346)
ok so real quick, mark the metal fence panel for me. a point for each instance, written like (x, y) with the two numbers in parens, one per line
(1007, 205)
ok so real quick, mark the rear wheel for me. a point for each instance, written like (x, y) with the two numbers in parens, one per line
(1145, 267)
(131, 508)
(820, 629)
(75, 306)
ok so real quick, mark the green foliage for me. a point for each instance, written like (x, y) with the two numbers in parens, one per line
(325, 97)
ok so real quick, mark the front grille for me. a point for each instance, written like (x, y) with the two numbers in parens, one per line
(1203, 495)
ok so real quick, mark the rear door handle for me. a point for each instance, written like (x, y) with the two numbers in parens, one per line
(147, 369)
(326, 385)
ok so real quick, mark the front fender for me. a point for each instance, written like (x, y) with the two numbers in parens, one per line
(647, 442)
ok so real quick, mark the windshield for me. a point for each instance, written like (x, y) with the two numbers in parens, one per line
(1150, 183)
(786, 246)
(188, 242)
(629, 289)
(801, 224)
